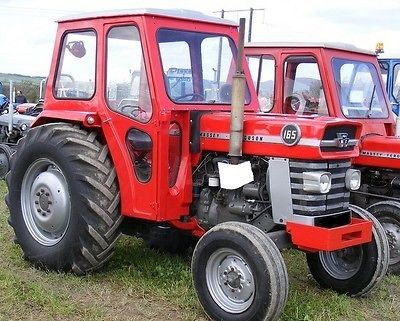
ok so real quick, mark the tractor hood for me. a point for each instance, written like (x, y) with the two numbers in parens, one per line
(284, 136)
(379, 151)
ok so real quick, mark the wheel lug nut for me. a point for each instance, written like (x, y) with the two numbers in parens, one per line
(225, 273)
(48, 210)
(36, 202)
(239, 276)
(49, 202)
(37, 194)
(240, 287)
(39, 210)
(225, 283)
(233, 290)
(47, 194)
(42, 190)
(232, 269)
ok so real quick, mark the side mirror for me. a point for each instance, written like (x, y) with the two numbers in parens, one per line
(76, 48)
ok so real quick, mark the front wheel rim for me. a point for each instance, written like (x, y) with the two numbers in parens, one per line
(230, 281)
(45, 202)
(342, 264)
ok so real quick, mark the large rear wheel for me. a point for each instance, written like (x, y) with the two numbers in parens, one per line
(64, 199)
(239, 274)
(388, 214)
(356, 270)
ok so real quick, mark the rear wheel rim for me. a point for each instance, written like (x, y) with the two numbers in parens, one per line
(342, 264)
(230, 281)
(45, 202)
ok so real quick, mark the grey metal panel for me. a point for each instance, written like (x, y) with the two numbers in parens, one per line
(333, 143)
(309, 208)
(338, 195)
(309, 165)
(309, 197)
(280, 190)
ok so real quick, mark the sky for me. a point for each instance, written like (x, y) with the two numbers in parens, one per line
(28, 27)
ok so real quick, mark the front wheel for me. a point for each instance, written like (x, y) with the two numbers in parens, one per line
(355, 270)
(239, 274)
(64, 199)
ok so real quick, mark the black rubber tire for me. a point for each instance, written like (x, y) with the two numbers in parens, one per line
(263, 258)
(5, 155)
(389, 212)
(92, 232)
(373, 267)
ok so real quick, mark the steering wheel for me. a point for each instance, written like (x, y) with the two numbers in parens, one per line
(193, 95)
(132, 110)
(296, 102)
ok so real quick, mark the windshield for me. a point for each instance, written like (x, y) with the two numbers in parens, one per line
(202, 71)
(359, 89)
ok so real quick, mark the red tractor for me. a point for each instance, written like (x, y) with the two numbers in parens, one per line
(318, 80)
(136, 135)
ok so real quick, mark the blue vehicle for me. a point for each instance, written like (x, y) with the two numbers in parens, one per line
(390, 68)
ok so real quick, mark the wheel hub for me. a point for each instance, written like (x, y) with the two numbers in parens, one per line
(45, 202)
(342, 264)
(230, 281)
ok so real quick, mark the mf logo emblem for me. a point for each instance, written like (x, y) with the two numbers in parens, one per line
(342, 140)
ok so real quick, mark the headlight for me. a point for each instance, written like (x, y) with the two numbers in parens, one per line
(353, 179)
(23, 127)
(317, 182)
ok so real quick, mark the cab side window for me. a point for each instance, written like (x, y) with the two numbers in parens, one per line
(127, 90)
(76, 73)
(303, 90)
(262, 69)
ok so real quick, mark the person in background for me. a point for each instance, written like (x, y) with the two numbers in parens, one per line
(20, 98)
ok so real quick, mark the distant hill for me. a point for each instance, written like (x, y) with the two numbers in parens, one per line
(17, 78)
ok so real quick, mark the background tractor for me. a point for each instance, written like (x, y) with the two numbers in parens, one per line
(339, 80)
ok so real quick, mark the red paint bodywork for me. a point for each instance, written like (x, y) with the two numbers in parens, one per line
(330, 239)
(377, 137)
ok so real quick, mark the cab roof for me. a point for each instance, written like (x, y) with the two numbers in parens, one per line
(173, 13)
(326, 45)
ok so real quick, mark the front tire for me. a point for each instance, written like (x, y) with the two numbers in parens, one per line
(64, 199)
(239, 274)
(388, 214)
(357, 270)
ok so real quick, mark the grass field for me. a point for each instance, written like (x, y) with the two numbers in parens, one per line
(142, 284)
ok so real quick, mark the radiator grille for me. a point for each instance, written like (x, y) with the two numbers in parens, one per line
(310, 204)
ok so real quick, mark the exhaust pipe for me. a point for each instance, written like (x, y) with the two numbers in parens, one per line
(237, 104)
(10, 109)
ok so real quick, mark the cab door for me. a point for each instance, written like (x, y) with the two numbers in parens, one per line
(129, 124)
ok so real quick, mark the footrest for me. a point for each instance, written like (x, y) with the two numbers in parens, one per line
(315, 238)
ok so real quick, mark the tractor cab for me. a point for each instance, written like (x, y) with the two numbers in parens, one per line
(318, 79)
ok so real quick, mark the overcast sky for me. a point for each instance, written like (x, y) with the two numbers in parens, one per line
(27, 27)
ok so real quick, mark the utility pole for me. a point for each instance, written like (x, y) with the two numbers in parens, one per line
(251, 13)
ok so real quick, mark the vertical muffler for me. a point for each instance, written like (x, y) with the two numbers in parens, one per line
(237, 103)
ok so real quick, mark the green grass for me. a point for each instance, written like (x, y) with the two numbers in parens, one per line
(143, 284)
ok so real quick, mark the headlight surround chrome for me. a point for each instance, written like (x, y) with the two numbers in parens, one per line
(353, 179)
(317, 182)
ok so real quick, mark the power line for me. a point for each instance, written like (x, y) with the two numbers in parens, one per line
(251, 12)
